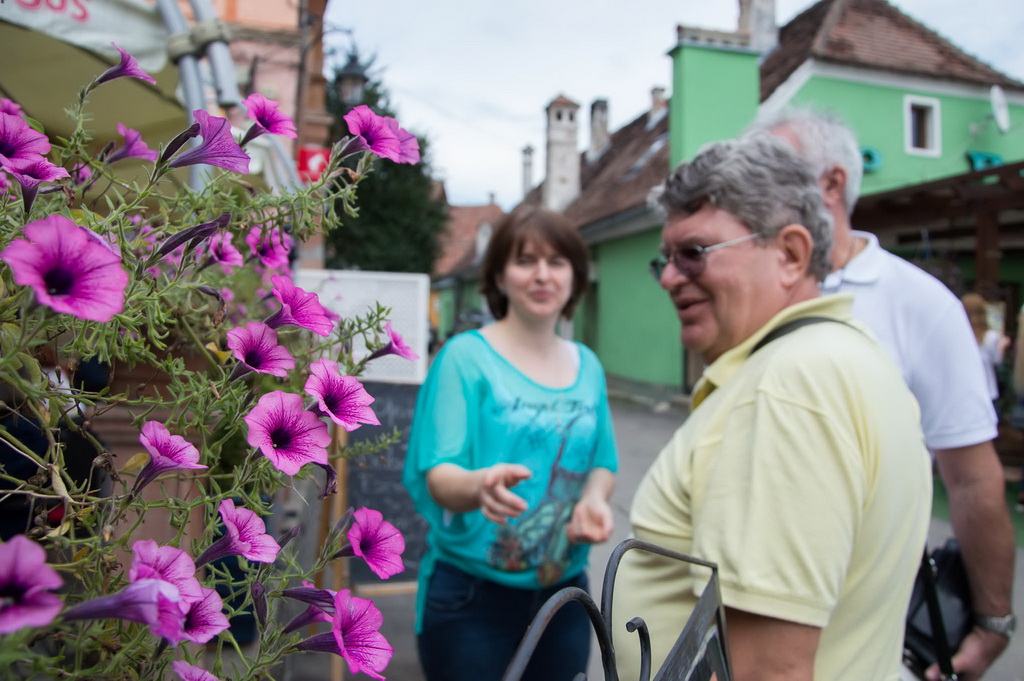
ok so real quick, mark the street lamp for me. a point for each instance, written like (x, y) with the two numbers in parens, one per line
(351, 81)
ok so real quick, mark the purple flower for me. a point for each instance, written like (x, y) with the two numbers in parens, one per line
(378, 542)
(148, 601)
(68, 269)
(220, 250)
(30, 173)
(355, 635)
(11, 107)
(307, 593)
(25, 584)
(330, 480)
(175, 243)
(133, 146)
(408, 145)
(219, 148)
(271, 248)
(19, 141)
(81, 173)
(190, 672)
(166, 453)
(267, 118)
(321, 605)
(246, 536)
(395, 346)
(127, 68)
(375, 132)
(259, 597)
(172, 565)
(342, 398)
(286, 433)
(298, 308)
(204, 618)
(256, 347)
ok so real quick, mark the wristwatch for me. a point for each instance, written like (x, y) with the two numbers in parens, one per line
(1004, 625)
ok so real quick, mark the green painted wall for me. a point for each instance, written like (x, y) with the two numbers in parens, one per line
(714, 95)
(638, 333)
(445, 312)
(875, 113)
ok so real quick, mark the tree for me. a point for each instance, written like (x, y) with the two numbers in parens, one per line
(399, 217)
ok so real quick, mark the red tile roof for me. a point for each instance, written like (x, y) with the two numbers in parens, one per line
(871, 34)
(867, 33)
(458, 243)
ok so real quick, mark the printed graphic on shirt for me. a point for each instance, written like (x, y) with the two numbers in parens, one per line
(537, 539)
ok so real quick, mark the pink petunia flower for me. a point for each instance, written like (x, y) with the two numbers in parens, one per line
(266, 117)
(245, 535)
(68, 270)
(18, 140)
(395, 346)
(30, 173)
(342, 398)
(220, 250)
(81, 173)
(408, 145)
(271, 248)
(204, 618)
(166, 453)
(256, 347)
(355, 636)
(154, 602)
(190, 672)
(11, 107)
(298, 308)
(168, 563)
(127, 68)
(133, 146)
(378, 542)
(286, 433)
(25, 582)
(374, 131)
(219, 148)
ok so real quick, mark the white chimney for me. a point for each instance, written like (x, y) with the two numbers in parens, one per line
(757, 20)
(658, 101)
(527, 169)
(562, 180)
(599, 136)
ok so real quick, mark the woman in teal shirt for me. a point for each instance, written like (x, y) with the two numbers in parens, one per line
(511, 460)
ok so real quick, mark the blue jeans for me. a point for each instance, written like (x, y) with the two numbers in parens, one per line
(472, 627)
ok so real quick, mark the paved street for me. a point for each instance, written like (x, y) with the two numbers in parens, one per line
(641, 430)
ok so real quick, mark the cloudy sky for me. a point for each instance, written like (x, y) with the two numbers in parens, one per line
(474, 76)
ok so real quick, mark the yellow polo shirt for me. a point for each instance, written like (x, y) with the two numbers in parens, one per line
(804, 476)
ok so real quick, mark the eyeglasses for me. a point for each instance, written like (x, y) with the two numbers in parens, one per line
(690, 261)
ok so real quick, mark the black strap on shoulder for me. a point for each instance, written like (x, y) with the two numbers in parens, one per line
(783, 329)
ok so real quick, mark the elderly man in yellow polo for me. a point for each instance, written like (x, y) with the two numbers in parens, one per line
(801, 470)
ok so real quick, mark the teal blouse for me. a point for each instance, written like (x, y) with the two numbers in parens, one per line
(475, 409)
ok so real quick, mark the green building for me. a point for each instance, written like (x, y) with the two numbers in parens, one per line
(942, 135)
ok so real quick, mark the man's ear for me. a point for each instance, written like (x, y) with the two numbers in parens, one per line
(833, 187)
(795, 246)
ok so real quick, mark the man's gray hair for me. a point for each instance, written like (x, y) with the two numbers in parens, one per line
(825, 142)
(758, 179)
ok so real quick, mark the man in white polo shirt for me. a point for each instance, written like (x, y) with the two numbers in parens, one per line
(923, 327)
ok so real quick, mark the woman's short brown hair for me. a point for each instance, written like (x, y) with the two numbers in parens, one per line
(532, 224)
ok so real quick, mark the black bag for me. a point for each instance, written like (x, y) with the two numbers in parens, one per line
(940, 602)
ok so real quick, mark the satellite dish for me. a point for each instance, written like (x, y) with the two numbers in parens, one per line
(1000, 112)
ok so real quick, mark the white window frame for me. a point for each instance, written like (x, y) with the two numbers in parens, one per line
(934, 125)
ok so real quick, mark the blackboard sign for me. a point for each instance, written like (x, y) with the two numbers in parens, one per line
(375, 481)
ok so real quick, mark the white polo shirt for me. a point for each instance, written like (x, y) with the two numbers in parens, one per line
(924, 328)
